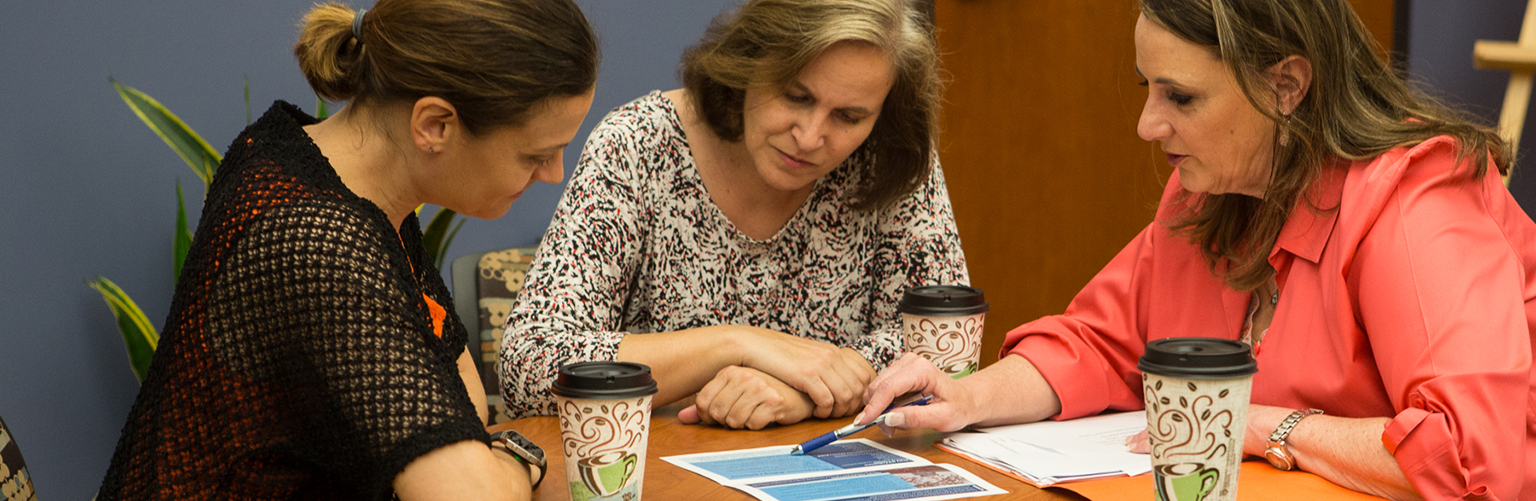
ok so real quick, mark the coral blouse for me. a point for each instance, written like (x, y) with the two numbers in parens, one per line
(1415, 299)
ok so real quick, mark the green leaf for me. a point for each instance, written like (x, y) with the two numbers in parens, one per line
(320, 111)
(190, 146)
(437, 235)
(183, 240)
(247, 100)
(139, 335)
(442, 252)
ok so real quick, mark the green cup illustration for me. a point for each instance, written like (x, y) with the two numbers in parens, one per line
(1196, 391)
(605, 414)
(606, 474)
(1185, 481)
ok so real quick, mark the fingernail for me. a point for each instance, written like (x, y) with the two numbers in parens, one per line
(895, 420)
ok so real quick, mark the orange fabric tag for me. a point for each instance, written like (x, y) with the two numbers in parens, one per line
(438, 314)
(437, 311)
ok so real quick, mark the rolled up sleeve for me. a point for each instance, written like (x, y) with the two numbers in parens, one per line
(1439, 292)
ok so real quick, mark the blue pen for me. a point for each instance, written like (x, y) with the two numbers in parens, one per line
(833, 436)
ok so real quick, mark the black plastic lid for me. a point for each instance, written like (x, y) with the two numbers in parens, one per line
(943, 301)
(604, 380)
(1198, 358)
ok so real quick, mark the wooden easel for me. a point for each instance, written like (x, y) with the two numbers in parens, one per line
(1520, 59)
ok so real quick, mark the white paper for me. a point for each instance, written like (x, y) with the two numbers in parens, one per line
(1050, 452)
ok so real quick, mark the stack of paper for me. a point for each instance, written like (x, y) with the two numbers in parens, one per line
(1051, 452)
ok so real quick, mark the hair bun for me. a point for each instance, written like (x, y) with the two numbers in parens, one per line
(329, 54)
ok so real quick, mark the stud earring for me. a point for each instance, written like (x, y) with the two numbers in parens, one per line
(431, 149)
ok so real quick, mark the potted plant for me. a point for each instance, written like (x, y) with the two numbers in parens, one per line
(139, 335)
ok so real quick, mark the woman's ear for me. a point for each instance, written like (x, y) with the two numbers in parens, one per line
(434, 123)
(1291, 78)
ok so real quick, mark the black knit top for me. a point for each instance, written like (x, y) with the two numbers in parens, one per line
(299, 359)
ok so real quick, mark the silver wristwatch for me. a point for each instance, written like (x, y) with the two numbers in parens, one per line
(524, 450)
(1277, 454)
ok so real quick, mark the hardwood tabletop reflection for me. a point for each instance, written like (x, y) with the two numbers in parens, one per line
(663, 481)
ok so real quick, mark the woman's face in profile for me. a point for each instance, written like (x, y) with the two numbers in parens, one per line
(1195, 110)
(490, 171)
(797, 135)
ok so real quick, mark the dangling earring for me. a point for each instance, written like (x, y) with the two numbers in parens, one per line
(1285, 129)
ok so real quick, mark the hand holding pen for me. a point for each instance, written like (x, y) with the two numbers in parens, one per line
(840, 433)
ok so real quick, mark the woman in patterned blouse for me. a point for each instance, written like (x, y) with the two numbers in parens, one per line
(757, 226)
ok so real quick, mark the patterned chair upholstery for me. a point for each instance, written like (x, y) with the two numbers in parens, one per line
(484, 287)
(15, 482)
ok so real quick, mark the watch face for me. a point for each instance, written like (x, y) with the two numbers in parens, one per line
(523, 446)
(1279, 459)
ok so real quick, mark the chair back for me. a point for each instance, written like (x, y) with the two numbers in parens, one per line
(484, 287)
(15, 482)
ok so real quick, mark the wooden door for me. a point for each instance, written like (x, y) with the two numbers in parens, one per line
(1048, 177)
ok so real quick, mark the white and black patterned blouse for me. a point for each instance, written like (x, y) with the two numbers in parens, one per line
(637, 246)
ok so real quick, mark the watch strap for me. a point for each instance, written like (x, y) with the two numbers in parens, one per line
(1284, 430)
(1275, 450)
(537, 468)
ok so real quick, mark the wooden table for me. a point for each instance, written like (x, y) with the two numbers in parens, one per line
(663, 481)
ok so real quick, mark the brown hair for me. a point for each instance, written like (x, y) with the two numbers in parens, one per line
(1357, 107)
(769, 42)
(492, 59)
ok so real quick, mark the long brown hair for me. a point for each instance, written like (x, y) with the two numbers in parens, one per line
(1357, 107)
(492, 59)
(769, 42)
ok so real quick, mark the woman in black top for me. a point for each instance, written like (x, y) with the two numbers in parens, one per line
(308, 353)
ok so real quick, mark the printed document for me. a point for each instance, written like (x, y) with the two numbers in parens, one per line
(1050, 452)
(846, 470)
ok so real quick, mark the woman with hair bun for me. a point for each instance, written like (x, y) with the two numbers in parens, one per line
(308, 353)
(749, 235)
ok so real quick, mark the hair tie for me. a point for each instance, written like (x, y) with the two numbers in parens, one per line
(357, 25)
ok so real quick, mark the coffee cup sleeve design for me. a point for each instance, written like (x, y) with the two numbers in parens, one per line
(1187, 427)
(953, 344)
(600, 427)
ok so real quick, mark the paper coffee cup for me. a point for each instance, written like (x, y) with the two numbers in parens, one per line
(605, 421)
(943, 323)
(1196, 392)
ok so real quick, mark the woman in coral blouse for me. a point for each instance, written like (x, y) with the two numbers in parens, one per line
(1354, 232)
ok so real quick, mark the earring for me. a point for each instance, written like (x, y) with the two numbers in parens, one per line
(431, 149)
(1285, 130)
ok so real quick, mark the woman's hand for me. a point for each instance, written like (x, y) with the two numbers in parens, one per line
(742, 397)
(1007, 392)
(834, 378)
(950, 409)
(1139, 443)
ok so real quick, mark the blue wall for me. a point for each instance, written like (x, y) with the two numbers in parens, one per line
(1440, 38)
(86, 189)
